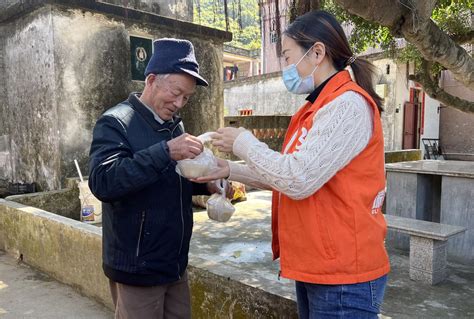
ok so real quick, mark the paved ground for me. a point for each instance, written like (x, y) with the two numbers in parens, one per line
(27, 293)
(240, 249)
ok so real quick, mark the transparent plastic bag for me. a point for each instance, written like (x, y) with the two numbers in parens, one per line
(218, 207)
(201, 165)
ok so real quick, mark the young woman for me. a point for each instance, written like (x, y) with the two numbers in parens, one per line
(328, 182)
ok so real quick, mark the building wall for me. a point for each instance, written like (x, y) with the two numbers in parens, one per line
(271, 62)
(402, 95)
(65, 66)
(388, 74)
(457, 128)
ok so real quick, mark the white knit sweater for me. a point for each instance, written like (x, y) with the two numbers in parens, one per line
(340, 131)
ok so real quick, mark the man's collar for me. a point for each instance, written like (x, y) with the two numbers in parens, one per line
(149, 115)
(155, 115)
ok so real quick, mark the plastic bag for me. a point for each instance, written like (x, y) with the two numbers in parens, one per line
(201, 165)
(219, 208)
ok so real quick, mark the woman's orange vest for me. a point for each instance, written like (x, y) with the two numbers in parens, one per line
(335, 236)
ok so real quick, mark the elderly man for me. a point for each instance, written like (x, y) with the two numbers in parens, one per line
(147, 213)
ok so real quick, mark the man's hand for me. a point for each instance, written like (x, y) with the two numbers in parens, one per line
(184, 146)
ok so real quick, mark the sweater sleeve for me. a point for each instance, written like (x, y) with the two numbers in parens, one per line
(340, 131)
(244, 174)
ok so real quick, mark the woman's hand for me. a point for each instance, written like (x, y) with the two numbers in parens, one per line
(222, 171)
(225, 137)
(213, 188)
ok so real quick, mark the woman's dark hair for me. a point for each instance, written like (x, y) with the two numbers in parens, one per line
(321, 26)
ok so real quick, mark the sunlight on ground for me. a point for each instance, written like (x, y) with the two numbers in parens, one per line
(2, 311)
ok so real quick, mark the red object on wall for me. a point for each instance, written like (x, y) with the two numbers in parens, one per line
(245, 112)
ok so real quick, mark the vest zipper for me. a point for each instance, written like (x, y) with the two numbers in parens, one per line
(140, 233)
(182, 223)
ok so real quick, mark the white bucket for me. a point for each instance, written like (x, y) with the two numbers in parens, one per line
(91, 207)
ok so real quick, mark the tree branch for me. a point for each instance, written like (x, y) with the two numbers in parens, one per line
(433, 43)
(464, 38)
(433, 90)
(383, 12)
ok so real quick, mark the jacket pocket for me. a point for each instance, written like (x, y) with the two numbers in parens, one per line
(326, 238)
(140, 233)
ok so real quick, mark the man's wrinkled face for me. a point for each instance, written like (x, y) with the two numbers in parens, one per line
(168, 95)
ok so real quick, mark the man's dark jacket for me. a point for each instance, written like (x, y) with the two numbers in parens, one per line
(146, 206)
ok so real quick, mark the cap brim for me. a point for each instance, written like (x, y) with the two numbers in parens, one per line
(199, 79)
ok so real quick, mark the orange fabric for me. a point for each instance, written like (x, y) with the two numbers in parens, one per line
(335, 236)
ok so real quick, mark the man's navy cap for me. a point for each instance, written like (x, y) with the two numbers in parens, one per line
(174, 56)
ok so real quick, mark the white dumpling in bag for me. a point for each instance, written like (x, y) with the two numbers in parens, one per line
(199, 166)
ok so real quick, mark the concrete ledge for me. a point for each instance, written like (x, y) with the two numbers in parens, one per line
(403, 156)
(64, 202)
(68, 250)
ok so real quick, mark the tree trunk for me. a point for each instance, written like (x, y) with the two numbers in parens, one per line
(300, 7)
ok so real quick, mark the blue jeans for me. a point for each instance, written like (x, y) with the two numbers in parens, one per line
(354, 301)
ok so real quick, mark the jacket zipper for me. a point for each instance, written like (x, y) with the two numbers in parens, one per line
(182, 214)
(140, 233)
(181, 205)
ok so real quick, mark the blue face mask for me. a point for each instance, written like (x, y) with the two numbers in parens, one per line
(293, 81)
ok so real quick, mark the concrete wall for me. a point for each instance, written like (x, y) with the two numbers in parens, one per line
(63, 202)
(30, 112)
(64, 66)
(264, 94)
(270, 129)
(70, 251)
